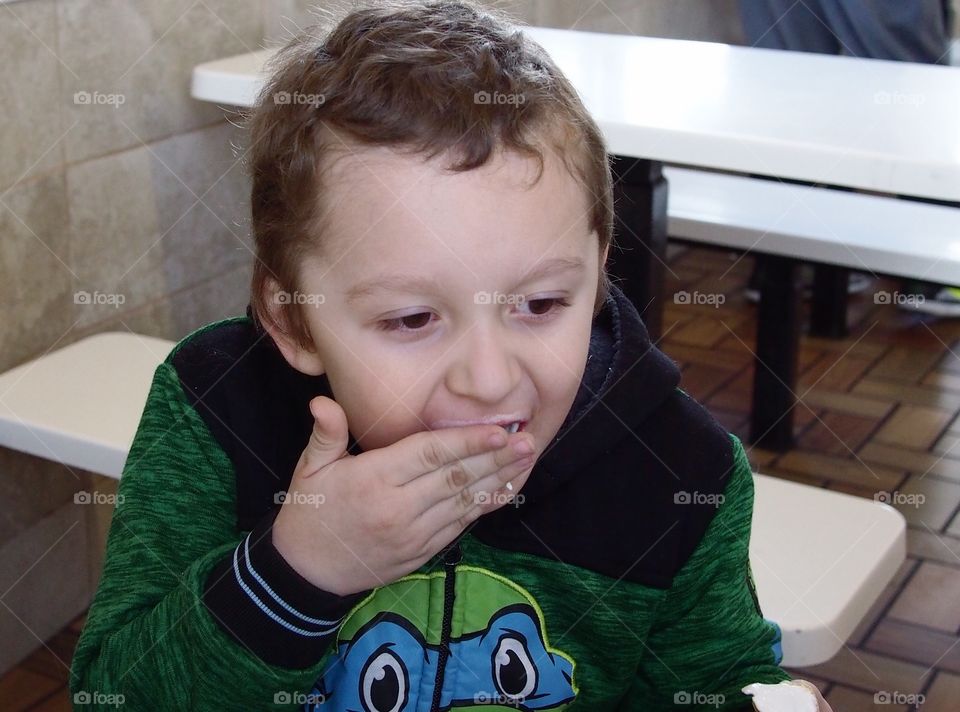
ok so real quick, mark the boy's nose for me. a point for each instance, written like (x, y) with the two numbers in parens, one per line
(485, 370)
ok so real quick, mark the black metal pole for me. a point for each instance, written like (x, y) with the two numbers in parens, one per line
(640, 197)
(778, 343)
(828, 312)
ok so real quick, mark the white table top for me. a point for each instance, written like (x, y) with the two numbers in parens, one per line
(820, 559)
(80, 405)
(873, 124)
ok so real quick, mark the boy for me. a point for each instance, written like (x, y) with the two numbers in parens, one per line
(328, 503)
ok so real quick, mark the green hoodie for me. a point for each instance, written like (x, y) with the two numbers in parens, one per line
(622, 581)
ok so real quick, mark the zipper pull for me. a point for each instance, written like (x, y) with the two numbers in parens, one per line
(453, 555)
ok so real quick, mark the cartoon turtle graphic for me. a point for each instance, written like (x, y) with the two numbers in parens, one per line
(465, 639)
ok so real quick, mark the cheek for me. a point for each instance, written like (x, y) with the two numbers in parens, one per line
(376, 415)
(566, 354)
(557, 379)
(568, 358)
(374, 432)
(362, 382)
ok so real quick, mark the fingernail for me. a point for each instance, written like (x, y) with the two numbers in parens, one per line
(523, 447)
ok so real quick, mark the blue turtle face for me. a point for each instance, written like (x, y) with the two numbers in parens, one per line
(511, 665)
(388, 667)
(374, 671)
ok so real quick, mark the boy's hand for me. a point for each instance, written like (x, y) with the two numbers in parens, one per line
(350, 523)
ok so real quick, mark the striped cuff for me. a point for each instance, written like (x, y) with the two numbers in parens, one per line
(266, 606)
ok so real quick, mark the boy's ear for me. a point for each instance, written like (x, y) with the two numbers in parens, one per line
(305, 360)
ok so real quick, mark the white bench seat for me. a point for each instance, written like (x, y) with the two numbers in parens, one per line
(862, 232)
(80, 405)
(820, 559)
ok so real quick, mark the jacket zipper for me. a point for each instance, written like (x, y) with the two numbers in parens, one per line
(451, 558)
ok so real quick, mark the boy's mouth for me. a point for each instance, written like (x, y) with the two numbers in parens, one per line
(511, 426)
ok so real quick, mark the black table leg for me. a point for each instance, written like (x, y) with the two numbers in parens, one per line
(828, 312)
(640, 196)
(778, 343)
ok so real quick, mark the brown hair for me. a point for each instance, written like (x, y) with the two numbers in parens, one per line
(411, 75)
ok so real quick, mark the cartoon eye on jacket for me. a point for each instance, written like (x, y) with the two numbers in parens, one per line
(498, 659)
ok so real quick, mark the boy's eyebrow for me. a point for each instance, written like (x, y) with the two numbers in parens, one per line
(420, 284)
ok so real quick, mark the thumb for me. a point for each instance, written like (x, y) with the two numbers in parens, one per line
(328, 440)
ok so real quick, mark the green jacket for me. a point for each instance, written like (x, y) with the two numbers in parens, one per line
(621, 582)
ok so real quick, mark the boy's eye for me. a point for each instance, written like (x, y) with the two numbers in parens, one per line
(416, 322)
(548, 304)
(413, 322)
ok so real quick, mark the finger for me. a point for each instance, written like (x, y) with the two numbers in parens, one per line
(450, 532)
(453, 510)
(507, 481)
(429, 450)
(452, 479)
(328, 439)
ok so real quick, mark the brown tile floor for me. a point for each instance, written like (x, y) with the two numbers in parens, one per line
(39, 683)
(878, 411)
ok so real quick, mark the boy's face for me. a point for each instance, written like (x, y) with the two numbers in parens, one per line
(476, 336)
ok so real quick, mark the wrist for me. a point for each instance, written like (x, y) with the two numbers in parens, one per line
(300, 555)
(264, 604)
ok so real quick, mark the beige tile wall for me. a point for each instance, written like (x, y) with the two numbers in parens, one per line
(113, 180)
(135, 193)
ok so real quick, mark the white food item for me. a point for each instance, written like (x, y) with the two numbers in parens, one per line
(787, 696)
